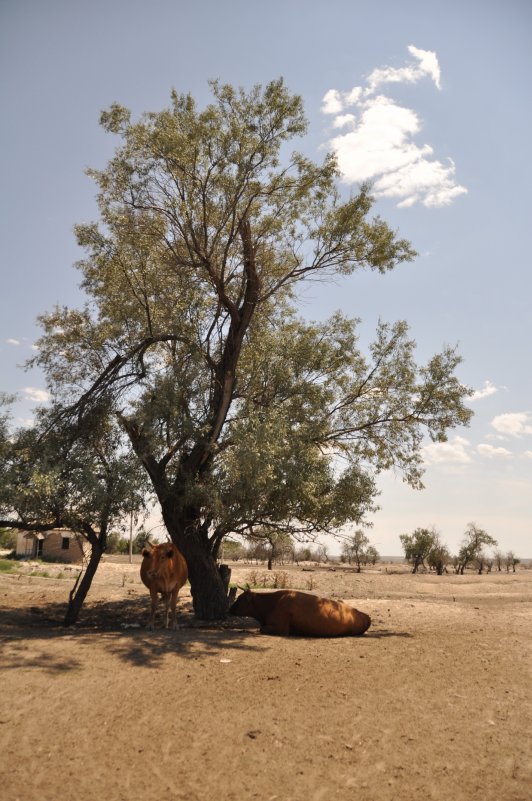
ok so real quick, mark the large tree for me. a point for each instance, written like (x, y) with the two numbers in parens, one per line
(242, 414)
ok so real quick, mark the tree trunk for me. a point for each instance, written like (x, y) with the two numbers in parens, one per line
(207, 585)
(207, 582)
(80, 590)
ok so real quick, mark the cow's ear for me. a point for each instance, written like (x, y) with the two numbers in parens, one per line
(146, 552)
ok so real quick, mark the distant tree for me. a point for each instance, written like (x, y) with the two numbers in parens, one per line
(355, 548)
(498, 559)
(141, 540)
(232, 550)
(302, 554)
(511, 561)
(257, 551)
(322, 554)
(484, 562)
(278, 542)
(474, 541)
(8, 538)
(438, 557)
(358, 550)
(417, 546)
(116, 543)
(372, 555)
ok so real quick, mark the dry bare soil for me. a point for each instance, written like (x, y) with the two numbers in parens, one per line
(434, 702)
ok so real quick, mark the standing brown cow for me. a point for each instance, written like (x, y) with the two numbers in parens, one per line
(287, 612)
(163, 570)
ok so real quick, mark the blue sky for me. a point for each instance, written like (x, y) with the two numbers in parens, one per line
(429, 100)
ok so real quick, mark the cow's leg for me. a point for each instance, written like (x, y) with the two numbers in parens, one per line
(175, 593)
(277, 624)
(167, 598)
(153, 595)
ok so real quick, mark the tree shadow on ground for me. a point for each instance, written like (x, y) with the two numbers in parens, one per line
(25, 632)
(119, 627)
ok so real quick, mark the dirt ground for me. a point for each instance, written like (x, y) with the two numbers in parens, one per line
(434, 702)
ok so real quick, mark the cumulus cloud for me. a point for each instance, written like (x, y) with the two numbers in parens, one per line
(529, 454)
(37, 395)
(427, 65)
(379, 146)
(490, 452)
(13, 341)
(513, 424)
(454, 451)
(487, 390)
(332, 102)
(344, 119)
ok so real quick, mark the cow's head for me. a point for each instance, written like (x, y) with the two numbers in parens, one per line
(156, 558)
(244, 605)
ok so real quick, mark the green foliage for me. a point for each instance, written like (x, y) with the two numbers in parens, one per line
(418, 546)
(72, 476)
(243, 415)
(233, 550)
(7, 566)
(474, 541)
(140, 541)
(359, 550)
(116, 543)
(8, 538)
(438, 557)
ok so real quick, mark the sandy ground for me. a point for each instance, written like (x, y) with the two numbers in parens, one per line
(434, 702)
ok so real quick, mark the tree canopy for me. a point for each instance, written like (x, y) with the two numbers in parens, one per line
(242, 413)
(475, 538)
(81, 478)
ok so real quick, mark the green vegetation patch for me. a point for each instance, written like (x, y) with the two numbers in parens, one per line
(7, 566)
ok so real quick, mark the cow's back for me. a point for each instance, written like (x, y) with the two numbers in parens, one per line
(303, 614)
(312, 616)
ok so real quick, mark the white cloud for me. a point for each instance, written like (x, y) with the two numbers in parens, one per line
(454, 451)
(427, 66)
(379, 145)
(514, 424)
(529, 454)
(487, 390)
(343, 119)
(12, 341)
(37, 395)
(27, 422)
(490, 452)
(332, 102)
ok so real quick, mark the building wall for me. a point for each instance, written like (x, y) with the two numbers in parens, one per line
(61, 545)
(26, 545)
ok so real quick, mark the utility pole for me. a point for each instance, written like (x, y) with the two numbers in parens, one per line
(131, 537)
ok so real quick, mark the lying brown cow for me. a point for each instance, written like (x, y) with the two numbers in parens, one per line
(163, 570)
(287, 612)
